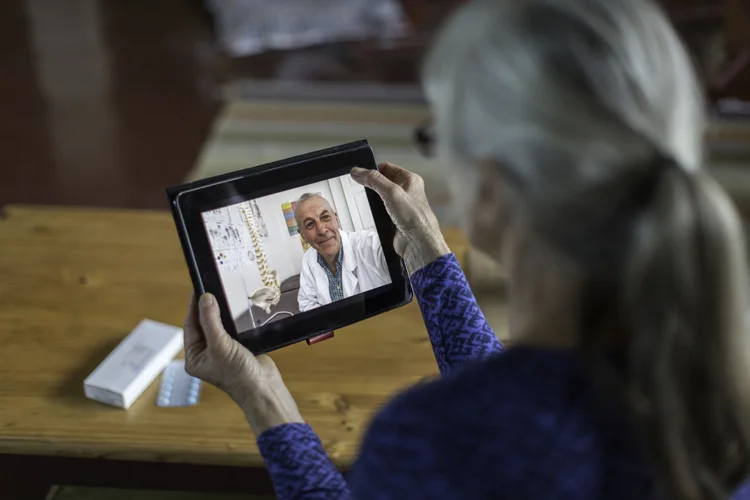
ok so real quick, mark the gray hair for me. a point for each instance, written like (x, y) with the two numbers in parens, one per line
(592, 113)
(305, 197)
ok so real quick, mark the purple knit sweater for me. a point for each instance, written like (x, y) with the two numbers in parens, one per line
(513, 424)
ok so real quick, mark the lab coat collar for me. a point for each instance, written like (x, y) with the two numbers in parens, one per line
(350, 260)
(350, 263)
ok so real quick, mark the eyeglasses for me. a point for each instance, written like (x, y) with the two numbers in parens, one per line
(424, 139)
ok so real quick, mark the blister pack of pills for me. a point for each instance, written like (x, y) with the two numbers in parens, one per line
(177, 387)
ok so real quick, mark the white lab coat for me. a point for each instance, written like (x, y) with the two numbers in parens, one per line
(364, 268)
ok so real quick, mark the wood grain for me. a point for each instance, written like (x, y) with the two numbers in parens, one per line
(74, 282)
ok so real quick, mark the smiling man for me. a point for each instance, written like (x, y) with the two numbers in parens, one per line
(339, 264)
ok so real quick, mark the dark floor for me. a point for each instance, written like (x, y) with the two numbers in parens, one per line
(101, 102)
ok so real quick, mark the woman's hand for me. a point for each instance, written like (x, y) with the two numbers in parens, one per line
(253, 382)
(418, 238)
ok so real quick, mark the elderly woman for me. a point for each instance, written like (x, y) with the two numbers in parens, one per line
(573, 130)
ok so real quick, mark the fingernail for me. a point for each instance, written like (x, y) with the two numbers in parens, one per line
(207, 300)
(358, 171)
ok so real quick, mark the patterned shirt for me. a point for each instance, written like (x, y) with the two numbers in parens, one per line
(335, 281)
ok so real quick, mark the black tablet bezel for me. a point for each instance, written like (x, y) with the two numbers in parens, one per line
(189, 201)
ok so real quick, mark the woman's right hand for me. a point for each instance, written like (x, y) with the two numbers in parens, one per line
(418, 238)
(255, 383)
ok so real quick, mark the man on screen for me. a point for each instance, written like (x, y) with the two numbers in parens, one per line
(339, 264)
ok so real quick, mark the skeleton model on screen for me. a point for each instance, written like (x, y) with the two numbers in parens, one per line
(268, 295)
(260, 224)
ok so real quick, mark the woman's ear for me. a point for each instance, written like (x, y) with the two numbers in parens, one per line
(490, 215)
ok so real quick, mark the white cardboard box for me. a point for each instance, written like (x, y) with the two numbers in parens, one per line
(134, 364)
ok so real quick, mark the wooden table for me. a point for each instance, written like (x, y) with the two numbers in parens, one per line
(74, 282)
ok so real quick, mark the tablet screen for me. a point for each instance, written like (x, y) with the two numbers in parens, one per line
(294, 251)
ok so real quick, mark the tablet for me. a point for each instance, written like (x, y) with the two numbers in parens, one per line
(293, 249)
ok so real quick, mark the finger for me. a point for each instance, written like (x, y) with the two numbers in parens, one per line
(376, 181)
(210, 320)
(395, 173)
(192, 333)
(408, 180)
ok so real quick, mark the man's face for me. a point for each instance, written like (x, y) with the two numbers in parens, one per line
(319, 225)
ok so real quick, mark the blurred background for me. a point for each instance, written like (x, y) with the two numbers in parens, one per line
(106, 102)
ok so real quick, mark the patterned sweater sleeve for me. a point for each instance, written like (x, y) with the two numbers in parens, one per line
(457, 328)
(299, 466)
(296, 459)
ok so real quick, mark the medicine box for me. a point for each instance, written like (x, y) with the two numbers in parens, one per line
(134, 364)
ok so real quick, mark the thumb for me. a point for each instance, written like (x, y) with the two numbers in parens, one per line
(376, 181)
(210, 319)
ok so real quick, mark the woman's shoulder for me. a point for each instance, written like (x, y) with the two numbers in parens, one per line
(516, 381)
(518, 391)
(497, 422)
(523, 413)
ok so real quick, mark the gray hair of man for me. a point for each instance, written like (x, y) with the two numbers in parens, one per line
(591, 114)
(305, 197)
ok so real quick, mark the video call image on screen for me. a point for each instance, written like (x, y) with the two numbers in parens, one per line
(296, 250)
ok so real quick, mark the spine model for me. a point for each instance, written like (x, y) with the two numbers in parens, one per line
(260, 255)
(269, 294)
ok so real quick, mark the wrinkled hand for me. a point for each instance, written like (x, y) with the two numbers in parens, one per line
(418, 238)
(255, 383)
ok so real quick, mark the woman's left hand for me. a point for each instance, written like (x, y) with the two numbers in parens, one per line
(255, 383)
